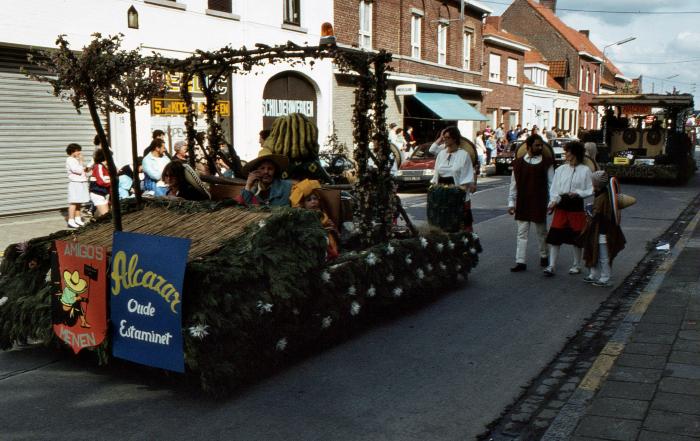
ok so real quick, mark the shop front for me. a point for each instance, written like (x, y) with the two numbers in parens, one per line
(288, 92)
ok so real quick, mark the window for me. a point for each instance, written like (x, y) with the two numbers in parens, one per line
(594, 86)
(220, 5)
(442, 43)
(580, 79)
(512, 71)
(292, 12)
(588, 80)
(416, 22)
(494, 67)
(467, 50)
(512, 119)
(585, 120)
(365, 39)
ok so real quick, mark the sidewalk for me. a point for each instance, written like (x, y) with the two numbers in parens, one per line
(15, 229)
(645, 385)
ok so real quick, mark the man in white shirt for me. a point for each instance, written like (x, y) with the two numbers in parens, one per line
(528, 198)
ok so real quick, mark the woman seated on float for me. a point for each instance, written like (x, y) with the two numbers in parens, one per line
(183, 182)
(308, 194)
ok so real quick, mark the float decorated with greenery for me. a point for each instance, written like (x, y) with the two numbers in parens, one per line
(257, 288)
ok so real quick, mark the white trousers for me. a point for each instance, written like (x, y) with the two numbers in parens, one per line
(602, 270)
(523, 232)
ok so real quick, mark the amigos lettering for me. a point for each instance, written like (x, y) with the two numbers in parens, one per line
(131, 276)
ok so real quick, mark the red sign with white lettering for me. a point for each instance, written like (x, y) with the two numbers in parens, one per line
(79, 302)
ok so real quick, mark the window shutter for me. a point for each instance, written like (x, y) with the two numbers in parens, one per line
(220, 5)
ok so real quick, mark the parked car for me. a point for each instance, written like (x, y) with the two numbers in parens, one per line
(558, 147)
(418, 169)
(504, 159)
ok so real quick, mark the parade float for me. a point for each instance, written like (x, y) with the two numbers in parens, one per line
(644, 137)
(217, 292)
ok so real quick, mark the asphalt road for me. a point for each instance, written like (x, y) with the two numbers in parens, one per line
(442, 373)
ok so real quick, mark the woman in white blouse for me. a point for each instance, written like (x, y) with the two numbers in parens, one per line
(571, 184)
(453, 166)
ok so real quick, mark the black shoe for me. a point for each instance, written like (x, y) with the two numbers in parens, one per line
(548, 272)
(518, 267)
(544, 262)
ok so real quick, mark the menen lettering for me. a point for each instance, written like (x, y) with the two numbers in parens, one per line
(132, 276)
(78, 340)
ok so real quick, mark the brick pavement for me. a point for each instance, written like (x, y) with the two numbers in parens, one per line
(651, 390)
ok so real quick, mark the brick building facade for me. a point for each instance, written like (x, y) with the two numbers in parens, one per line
(427, 39)
(504, 57)
(562, 46)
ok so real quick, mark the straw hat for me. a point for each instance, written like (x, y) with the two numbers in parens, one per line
(468, 146)
(590, 163)
(547, 151)
(281, 162)
(74, 282)
(625, 200)
(330, 199)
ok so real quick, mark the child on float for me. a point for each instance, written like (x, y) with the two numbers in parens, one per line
(77, 184)
(308, 194)
(602, 238)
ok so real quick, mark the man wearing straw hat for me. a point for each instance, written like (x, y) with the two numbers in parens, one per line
(528, 198)
(263, 185)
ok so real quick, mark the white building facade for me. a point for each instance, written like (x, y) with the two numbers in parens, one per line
(538, 99)
(38, 126)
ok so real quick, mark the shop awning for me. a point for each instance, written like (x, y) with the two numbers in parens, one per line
(449, 106)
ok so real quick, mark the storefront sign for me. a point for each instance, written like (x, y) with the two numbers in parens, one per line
(79, 303)
(168, 106)
(146, 299)
(406, 89)
(285, 93)
(636, 109)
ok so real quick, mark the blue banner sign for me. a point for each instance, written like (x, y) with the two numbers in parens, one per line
(146, 299)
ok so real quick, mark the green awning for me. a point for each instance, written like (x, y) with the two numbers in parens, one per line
(449, 106)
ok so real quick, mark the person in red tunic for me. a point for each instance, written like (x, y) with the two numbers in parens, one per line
(528, 198)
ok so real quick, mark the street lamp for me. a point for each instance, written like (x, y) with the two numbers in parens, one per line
(602, 67)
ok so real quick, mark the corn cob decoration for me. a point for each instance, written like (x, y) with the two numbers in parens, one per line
(294, 136)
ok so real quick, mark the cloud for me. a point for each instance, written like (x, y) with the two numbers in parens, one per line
(686, 43)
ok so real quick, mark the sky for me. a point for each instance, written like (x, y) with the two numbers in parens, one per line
(662, 39)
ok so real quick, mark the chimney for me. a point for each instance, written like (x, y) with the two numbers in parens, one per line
(551, 4)
(585, 32)
(494, 21)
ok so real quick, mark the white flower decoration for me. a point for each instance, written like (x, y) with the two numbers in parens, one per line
(48, 276)
(263, 307)
(199, 331)
(3, 300)
(423, 242)
(326, 276)
(355, 308)
(419, 273)
(408, 259)
(465, 240)
(472, 250)
(390, 249)
(429, 267)
(439, 247)
(451, 245)
(371, 259)
(397, 292)
(372, 291)
(281, 344)
(458, 267)
(390, 278)
(475, 236)
(326, 322)
(352, 290)
(443, 266)
(261, 223)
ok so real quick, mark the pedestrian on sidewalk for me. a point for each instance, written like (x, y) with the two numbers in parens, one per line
(528, 197)
(571, 184)
(100, 184)
(603, 238)
(77, 184)
(153, 165)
